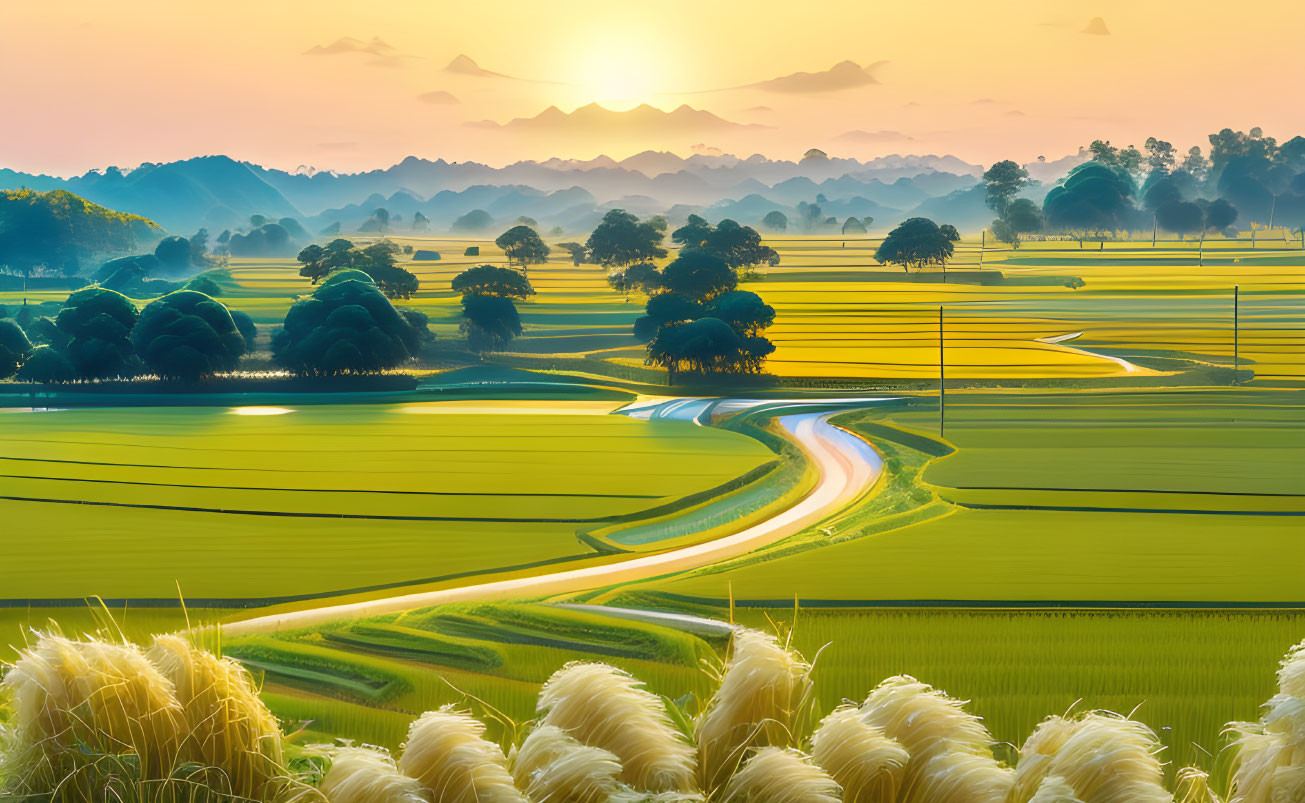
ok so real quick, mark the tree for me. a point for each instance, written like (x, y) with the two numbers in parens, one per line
(378, 260)
(1160, 155)
(270, 239)
(490, 280)
(420, 222)
(475, 220)
(14, 347)
(1003, 181)
(1195, 164)
(949, 231)
(173, 253)
(56, 231)
(643, 276)
(693, 233)
(706, 344)
(664, 310)
(187, 336)
(1093, 197)
(1180, 217)
(853, 226)
(1022, 217)
(46, 365)
(346, 327)
(915, 243)
(744, 311)
(199, 248)
(622, 239)
(698, 275)
(246, 327)
(489, 322)
(775, 220)
(98, 323)
(1220, 214)
(577, 251)
(523, 245)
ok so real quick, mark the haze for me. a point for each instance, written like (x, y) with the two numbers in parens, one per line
(351, 86)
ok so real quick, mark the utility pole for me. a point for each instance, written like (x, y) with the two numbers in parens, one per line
(1236, 315)
(942, 379)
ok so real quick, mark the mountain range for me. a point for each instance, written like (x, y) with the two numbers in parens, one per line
(218, 192)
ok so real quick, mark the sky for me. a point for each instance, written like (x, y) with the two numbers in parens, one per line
(353, 86)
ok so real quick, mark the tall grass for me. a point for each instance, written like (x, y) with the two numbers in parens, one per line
(95, 720)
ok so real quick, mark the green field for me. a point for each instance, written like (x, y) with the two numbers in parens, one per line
(1108, 520)
(1192, 498)
(235, 510)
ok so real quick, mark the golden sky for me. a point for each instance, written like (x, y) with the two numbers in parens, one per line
(89, 83)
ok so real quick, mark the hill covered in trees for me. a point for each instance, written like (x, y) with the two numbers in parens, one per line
(58, 232)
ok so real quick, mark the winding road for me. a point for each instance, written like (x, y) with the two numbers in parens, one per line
(846, 466)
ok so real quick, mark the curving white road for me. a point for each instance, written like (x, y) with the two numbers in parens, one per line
(847, 467)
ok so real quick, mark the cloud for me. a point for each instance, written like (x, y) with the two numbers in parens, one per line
(707, 150)
(1014, 113)
(873, 136)
(1097, 27)
(438, 97)
(843, 75)
(758, 110)
(983, 102)
(383, 53)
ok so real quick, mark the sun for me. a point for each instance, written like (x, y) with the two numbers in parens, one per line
(605, 72)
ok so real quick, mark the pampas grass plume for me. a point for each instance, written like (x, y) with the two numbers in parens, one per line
(447, 752)
(865, 762)
(780, 775)
(362, 775)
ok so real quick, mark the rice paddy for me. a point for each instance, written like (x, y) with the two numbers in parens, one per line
(1107, 521)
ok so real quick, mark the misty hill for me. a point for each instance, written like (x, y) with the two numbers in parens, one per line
(220, 193)
(212, 191)
(59, 232)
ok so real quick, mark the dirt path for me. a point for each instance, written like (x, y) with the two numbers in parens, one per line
(847, 467)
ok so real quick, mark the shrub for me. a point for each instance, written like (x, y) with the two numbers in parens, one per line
(204, 284)
(186, 335)
(14, 347)
(347, 326)
(46, 366)
(246, 327)
(98, 323)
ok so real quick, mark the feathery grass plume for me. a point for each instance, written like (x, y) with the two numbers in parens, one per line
(1270, 754)
(77, 708)
(1103, 757)
(1053, 789)
(950, 750)
(603, 707)
(1191, 785)
(764, 692)
(226, 724)
(780, 775)
(447, 752)
(865, 762)
(363, 775)
(552, 767)
(956, 776)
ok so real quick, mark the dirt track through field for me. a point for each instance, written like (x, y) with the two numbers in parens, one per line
(846, 466)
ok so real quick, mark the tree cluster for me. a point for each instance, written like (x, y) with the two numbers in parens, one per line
(622, 239)
(347, 326)
(378, 260)
(697, 320)
(489, 314)
(737, 246)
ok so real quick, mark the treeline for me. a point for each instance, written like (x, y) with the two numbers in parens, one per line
(347, 326)
(1246, 177)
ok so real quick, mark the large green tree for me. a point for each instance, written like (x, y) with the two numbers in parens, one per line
(916, 243)
(491, 280)
(14, 347)
(523, 245)
(346, 326)
(489, 322)
(98, 323)
(187, 336)
(622, 239)
(1094, 197)
(1002, 183)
